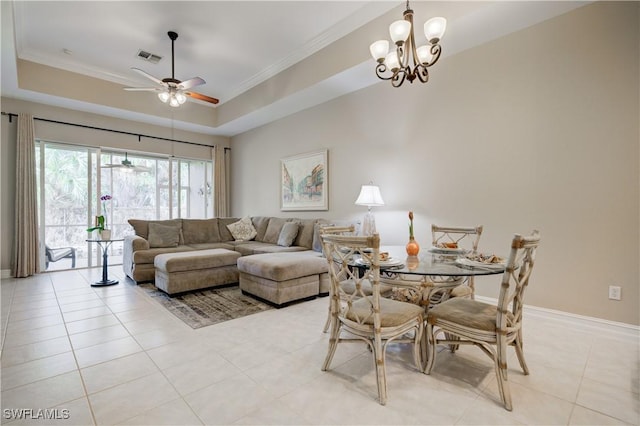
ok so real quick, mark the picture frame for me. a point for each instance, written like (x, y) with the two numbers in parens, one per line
(304, 182)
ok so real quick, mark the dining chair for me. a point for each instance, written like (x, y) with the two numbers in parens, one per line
(465, 238)
(490, 327)
(334, 230)
(358, 316)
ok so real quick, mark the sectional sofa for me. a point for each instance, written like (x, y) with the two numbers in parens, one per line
(280, 258)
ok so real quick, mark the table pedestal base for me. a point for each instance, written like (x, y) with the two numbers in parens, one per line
(104, 282)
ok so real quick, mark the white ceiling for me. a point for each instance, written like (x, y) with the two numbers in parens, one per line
(233, 45)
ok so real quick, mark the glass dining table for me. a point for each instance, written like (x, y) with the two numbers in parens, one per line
(430, 277)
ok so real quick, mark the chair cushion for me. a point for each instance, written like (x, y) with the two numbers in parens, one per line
(466, 312)
(392, 312)
(350, 287)
(461, 291)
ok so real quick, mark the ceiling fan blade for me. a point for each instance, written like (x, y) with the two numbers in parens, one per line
(111, 166)
(141, 169)
(201, 97)
(149, 76)
(192, 82)
(142, 89)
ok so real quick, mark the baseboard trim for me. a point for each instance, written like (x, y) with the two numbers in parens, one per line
(623, 329)
(5, 273)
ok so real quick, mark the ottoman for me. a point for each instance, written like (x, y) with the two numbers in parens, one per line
(194, 270)
(280, 278)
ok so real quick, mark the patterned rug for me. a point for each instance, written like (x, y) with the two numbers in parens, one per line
(206, 307)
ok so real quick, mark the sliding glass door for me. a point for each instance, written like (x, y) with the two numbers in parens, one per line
(71, 180)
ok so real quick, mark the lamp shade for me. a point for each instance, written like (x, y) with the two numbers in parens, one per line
(370, 196)
(434, 29)
(399, 31)
(379, 49)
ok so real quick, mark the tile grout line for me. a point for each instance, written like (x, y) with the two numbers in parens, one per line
(84, 386)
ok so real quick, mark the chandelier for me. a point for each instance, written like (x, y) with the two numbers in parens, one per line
(408, 61)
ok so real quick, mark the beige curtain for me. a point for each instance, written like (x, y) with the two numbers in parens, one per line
(27, 254)
(220, 181)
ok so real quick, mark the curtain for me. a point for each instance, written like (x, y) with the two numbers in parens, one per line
(27, 254)
(220, 181)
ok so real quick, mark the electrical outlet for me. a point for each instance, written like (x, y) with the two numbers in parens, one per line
(615, 292)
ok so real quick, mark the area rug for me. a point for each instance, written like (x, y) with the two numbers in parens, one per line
(207, 307)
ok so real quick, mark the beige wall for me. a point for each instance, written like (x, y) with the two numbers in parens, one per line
(86, 137)
(536, 130)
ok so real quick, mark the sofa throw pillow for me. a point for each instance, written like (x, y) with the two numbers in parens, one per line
(243, 229)
(317, 241)
(288, 234)
(273, 229)
(163, 235)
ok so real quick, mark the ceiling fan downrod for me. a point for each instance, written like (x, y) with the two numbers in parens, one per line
(173, 36)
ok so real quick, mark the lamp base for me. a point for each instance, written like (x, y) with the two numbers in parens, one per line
(368, 225)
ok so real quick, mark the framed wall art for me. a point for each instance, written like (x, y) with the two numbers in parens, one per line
(304, 182)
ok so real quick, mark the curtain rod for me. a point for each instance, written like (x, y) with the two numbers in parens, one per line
(139, 135)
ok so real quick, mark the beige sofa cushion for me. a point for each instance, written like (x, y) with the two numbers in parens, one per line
(141, 226)
(256, 247)
(190, 261)
(199, 231)
(283, 266)
(260, 223)
(305, 233)
(147, 256)
(273, 230)
(225, 234)
(163, 235)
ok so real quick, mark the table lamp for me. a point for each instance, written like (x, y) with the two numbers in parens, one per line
(370, 197)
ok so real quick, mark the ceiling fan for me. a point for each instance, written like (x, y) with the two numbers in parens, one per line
(127, 166)
(170, 90)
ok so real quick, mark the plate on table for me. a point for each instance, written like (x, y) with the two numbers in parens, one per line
(483, 262)
(445, 250)
(383, 263)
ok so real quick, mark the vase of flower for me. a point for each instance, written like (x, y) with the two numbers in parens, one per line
(100, 223)
(413, 248)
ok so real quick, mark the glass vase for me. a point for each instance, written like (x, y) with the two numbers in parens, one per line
(413, 248)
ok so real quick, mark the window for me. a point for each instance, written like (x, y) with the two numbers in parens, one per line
(155, 188)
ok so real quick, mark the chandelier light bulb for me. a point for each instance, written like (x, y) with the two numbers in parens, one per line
(174, 102)
(434, 29)
(379, 49)
(181, 98)
(399, 31)
(392, 62)
(424, 54)
(164, 96)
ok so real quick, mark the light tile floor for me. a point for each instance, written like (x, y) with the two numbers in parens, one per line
(112, 355)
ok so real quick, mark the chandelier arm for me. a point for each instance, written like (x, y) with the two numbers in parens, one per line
(398, 77)
(435, 51)
(380, 69)
(422, 72)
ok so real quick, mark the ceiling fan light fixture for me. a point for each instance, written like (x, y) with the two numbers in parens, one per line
(164, 96)
(171, 90)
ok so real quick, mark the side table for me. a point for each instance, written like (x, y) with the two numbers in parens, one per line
(104, 245)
